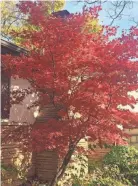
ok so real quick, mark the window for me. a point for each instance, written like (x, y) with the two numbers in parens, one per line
(5, 95)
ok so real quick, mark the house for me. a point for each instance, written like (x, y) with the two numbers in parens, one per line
(12, 117)
(17, 115)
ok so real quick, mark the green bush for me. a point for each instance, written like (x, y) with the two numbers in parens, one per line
(126, 158)
(106, 182)
(109, 176)
(9, 173)
(118, 168)
(104, 176)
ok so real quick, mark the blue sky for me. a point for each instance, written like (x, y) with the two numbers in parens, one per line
(124, 23)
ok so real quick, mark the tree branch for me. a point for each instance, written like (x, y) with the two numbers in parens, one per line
(63, 167)
(116, 7)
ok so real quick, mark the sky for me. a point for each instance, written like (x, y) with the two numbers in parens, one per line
(124, 23)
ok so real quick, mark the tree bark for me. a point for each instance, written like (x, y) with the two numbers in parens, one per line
(63, 167)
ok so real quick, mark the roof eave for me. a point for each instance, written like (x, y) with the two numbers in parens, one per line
(12, 46)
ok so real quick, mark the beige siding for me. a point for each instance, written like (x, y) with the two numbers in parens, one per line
(98, 154)
(18, 114)
(46, 165)
(133, 139)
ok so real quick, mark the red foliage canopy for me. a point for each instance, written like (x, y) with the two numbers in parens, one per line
(86, 73)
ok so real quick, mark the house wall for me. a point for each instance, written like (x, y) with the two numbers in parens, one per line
(133, 139)
(44, 164)
(19, 114)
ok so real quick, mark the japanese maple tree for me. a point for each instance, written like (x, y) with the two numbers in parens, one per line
(84, 74)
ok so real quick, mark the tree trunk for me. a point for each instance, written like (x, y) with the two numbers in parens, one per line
(63, 167)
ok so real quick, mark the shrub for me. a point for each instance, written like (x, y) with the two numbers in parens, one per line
(118, 168)
(126, 158)
(104, 176)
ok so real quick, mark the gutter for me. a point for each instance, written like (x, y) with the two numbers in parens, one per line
(12, 46)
